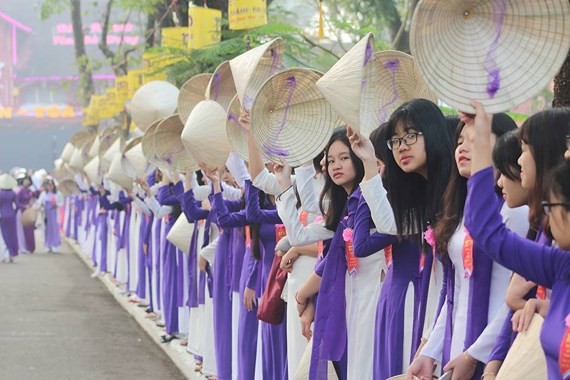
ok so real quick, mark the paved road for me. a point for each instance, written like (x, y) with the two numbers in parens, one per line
(58, 323)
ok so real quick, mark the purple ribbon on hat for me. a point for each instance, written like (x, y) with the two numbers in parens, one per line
(368, 53)
(392, 66)
(233, 117)
(272, 149)
(490, 64)
(275, 63)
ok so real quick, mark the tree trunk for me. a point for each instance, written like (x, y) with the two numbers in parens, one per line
(85, 74)
(562, 85)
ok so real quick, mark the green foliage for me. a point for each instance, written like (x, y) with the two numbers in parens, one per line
(49, 8)
(300, 51)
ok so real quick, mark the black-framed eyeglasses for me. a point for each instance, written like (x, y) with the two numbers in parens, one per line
(567, 141)
(409, 139)
(547, 206)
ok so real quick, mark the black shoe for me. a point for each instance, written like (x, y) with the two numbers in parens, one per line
(167, 338)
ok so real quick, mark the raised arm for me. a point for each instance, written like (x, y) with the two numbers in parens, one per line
(254, 212)
(366, 240)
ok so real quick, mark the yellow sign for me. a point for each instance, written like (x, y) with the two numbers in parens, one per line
(175, 37)
(153, 66)
(122, 86)
(135, 81)
(247, 14)
(205, 27)
(113, 102)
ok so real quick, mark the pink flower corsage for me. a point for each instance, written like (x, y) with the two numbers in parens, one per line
(568, 321)
(429, 236)
(347, 234)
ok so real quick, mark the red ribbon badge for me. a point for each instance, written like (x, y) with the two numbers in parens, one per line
(388, 255)
(280, 232)
(564, 355)
(467, 254)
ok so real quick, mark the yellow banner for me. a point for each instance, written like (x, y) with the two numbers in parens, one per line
(135, 81)
(122, 87)
(153, 66)
(205, 27)
(247, 14)
(175, 37)
(113, 102)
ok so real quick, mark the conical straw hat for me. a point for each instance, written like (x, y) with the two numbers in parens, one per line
(64, 172)
(341, 85)
(391, 78)
(135, 164)
(67, 152)
(302, 372)
(181, 233)
(147, 144)
(525, 359)
(57, 163)
(252, 68)
(500, 53)
(79, 138)
(191, 93)
(92, 170)
(116, 147)
(237, 135)
(68, 187)
(168, 146)
(204, 134)
(290, 118)
(107, 138)
(76, 161)
(7, 182)
(221, 87)
(116, 173)
(153, 101)
(94, 149)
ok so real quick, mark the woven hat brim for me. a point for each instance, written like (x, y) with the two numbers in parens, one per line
(341, 84)
(7, 182)
(391, 78)
(94, 149)
(498, 53)
(147, 144)
(135, 164)
(68, 187)
(181, 233)
(290, 118)
(252, 68)
(191, 93)
(221, 87)
(168, 146)
(525, 359)
(153, 101)
(76, 161)
(237, 135)
(204, 134)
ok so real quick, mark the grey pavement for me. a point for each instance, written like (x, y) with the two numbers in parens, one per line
(56, 322)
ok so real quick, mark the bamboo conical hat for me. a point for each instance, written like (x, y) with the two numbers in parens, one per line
(181, 233)
(391, 78)
(341, 85)
(153, 101)
(135, 164)
(221, 87)
(204, 134)
(191, 93)
(76, 161)
(116, 173)
(525, 359)
(67, 152)
(500, 53)
(168, 146)
(92, 171)
(147, 145)
(252, 68)
(7, 182)
(290, 118)
(94, 149)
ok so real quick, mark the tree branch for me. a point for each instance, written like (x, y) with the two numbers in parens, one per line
(105, 30)
(313, 44)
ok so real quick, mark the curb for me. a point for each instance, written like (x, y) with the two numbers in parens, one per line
(177, 353)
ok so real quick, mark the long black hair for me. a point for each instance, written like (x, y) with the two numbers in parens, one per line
(545, 134)
(456, 191)
(416, 201)
(506, 154)
(335, 194)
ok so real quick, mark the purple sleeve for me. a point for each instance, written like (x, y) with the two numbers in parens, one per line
(253, 277)
(93, 191)
(504, 340)
(105, 204)
(320, 267)
(166, 196)
(535, 262)
(254, 213)
(234, 205)
(227, 219)
(191, 208)
(178, 189)
(124, 199)
(365, 244)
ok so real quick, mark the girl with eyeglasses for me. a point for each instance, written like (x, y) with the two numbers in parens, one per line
(417, 171)
(464, 333)
(535, 261)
